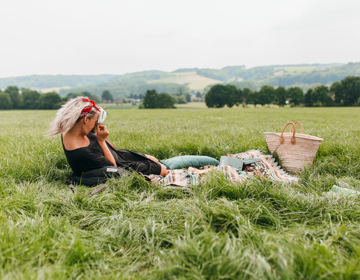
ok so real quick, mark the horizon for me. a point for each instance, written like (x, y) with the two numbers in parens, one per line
(99, 74)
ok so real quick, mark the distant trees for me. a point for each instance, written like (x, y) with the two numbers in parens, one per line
(267, 95)
(30, 99)
(107, 96)
(281, 96)
(221, 95)
(308, 98)
(5, 101)
(153, 100)
(347, 92)
(295, 95)
(181, 97)
(84, 93)
(247, 96)
(14, 94)
(49, 100)
(343, 93)
(150, 99)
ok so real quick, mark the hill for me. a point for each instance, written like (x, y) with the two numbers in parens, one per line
(190, 79)
(53, 81)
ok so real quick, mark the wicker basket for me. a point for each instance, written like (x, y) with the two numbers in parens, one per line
(293, 149)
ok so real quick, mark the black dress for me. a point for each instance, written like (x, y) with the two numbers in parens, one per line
(92, 157)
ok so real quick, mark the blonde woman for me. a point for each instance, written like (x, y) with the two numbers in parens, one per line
(86, 145)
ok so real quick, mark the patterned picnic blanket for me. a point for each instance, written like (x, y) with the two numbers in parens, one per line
(267, 168)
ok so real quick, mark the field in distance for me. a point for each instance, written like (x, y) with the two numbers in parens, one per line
(191, 79)
(217, 230)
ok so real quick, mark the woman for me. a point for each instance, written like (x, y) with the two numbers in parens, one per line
(76, 121)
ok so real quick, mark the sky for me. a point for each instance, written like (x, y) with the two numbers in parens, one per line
(48, 37)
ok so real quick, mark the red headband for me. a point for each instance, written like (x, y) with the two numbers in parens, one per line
(87, 109)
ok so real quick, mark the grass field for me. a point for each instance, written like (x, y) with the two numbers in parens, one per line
(296, 69)
(192, 79)
(217, 230)
(190, 105)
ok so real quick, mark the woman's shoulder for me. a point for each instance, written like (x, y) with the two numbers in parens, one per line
(73, 145)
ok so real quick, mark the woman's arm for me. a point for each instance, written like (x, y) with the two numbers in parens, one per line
(164, 170)
(152, 158)
(101, 134)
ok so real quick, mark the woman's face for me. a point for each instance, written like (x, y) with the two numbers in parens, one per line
(89, 124)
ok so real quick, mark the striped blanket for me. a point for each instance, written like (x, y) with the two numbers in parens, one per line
(267, 168)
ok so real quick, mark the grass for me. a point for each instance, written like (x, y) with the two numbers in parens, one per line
(217, 230)
(111, 106)
(191, 105)
(297, 69)
(191, 79)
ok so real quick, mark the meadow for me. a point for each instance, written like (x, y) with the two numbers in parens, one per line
(191, 79)
(217, 230)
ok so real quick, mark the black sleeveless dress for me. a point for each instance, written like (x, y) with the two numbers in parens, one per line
(92, 157)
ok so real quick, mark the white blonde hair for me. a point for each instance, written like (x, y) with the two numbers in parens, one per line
(69, 114)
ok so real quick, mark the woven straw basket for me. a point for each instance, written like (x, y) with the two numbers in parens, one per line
(293, 149)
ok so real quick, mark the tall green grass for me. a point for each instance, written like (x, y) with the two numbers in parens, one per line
(217, 230)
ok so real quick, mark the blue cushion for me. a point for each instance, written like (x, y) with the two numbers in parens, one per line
(187, 161)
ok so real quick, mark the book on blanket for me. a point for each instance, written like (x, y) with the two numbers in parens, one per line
(234, 162)
(237, 163)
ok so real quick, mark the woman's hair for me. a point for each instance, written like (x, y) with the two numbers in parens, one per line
(69, 114)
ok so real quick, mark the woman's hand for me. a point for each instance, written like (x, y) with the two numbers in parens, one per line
(101, 132)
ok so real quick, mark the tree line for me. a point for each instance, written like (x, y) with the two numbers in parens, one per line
(343, 93)
(153, 99)
(14, 98)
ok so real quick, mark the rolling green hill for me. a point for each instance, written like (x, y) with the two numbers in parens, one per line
(52, 81)
(190, 79)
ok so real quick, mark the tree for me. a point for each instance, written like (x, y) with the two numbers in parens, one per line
(5, 101)
(84, 93)
(308, 98)
(267, 95)
(198, 95)
(91, 96)
(255, 98)
(337, 91)
(107, 96)
(188, 97)
(14, 94)
(221, 95)
(247, 95)
(322, 96)
(164, 100)
(49, 100)
(351, 90)
(239, 98)
(154, 100)
(216, 97)
(30, 99)
(296, 95)
(150, 99)
(180, 99)
(280, 94)
(231, 95)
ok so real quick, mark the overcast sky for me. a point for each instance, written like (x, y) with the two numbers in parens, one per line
(117, 37)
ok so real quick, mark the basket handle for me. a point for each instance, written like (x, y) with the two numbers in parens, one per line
(293, 140)
(302, 130)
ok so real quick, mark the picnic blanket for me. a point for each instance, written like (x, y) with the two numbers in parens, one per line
(267, 168)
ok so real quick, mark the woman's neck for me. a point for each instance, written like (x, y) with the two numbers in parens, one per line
(76, 131)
